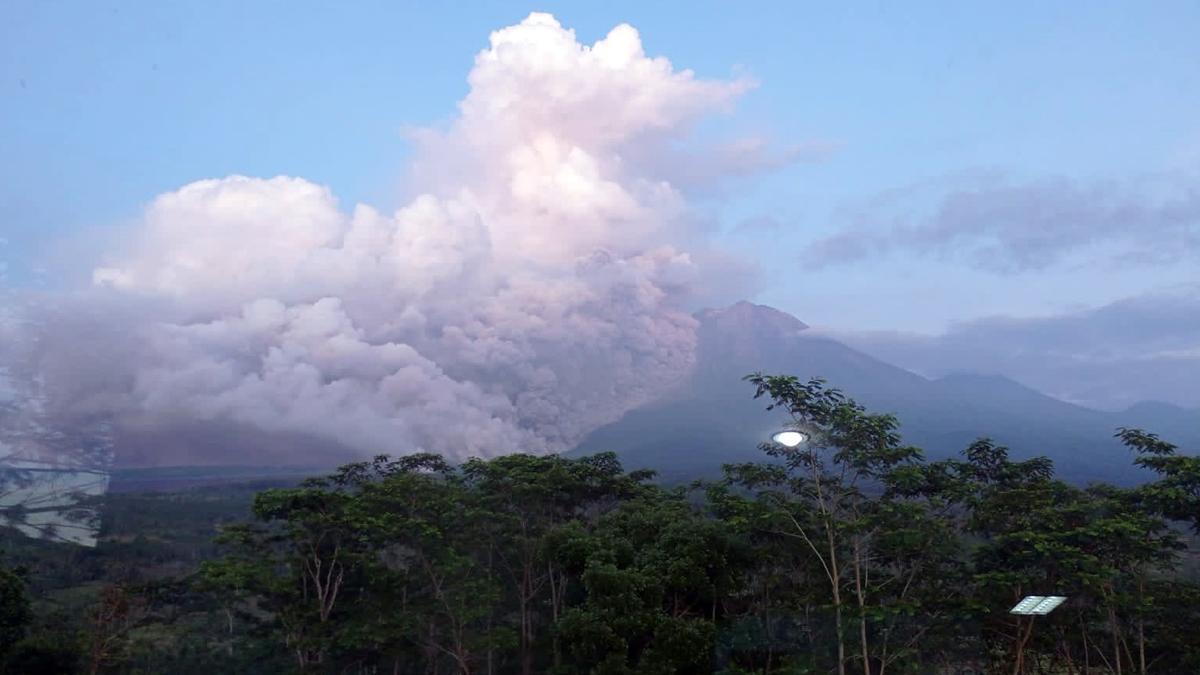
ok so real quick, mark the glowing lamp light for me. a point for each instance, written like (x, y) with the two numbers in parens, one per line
(789, 438)
(1037, 605)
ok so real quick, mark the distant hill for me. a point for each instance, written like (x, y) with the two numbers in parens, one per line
(712, 418)
(176, 478)
(192, 444)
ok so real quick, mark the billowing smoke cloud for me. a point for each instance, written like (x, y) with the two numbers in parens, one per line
(536, 288)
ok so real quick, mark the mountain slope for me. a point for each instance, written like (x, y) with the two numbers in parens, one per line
(711, 418)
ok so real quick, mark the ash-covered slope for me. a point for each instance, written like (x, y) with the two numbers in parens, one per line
(712, 418)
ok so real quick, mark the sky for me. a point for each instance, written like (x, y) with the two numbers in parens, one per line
(1012, 189)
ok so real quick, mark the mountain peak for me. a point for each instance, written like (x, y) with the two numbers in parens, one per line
(744, 316)
(1153, 406)
(960, 377)
(745, 337)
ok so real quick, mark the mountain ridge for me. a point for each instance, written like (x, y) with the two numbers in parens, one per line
(711, 417)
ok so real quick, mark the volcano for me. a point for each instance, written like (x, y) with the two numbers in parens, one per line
(711, 418)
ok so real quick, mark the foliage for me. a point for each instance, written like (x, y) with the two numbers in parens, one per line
(849, 553)
(15, 612)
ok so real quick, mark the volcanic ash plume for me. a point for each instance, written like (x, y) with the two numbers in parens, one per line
(537, 286)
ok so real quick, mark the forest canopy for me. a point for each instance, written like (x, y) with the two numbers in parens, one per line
(849, 553)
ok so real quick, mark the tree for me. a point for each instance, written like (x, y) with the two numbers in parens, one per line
(653, 574)
(115, 613)
(849, 553)
(1176, 494)
(831, 496)
(526, 498)
(295, 565)
(15, 612)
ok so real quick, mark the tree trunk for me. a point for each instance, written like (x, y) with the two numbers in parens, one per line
(556, 591)
(229, 620)
(1087, 656)
(835, 583)
(526, 648)
(1116, 638)
(1141, 625)
(862, 607)
(1065, 643)
(490, 649)
(526, 638)
(1023, 639)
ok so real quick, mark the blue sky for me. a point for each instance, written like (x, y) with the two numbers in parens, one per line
(105, 105)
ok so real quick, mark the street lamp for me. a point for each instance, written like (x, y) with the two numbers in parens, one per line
(1037, 605)
(789, 438)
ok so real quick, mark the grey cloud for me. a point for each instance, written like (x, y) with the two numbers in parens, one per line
(1008, 227)
(1145, 347)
